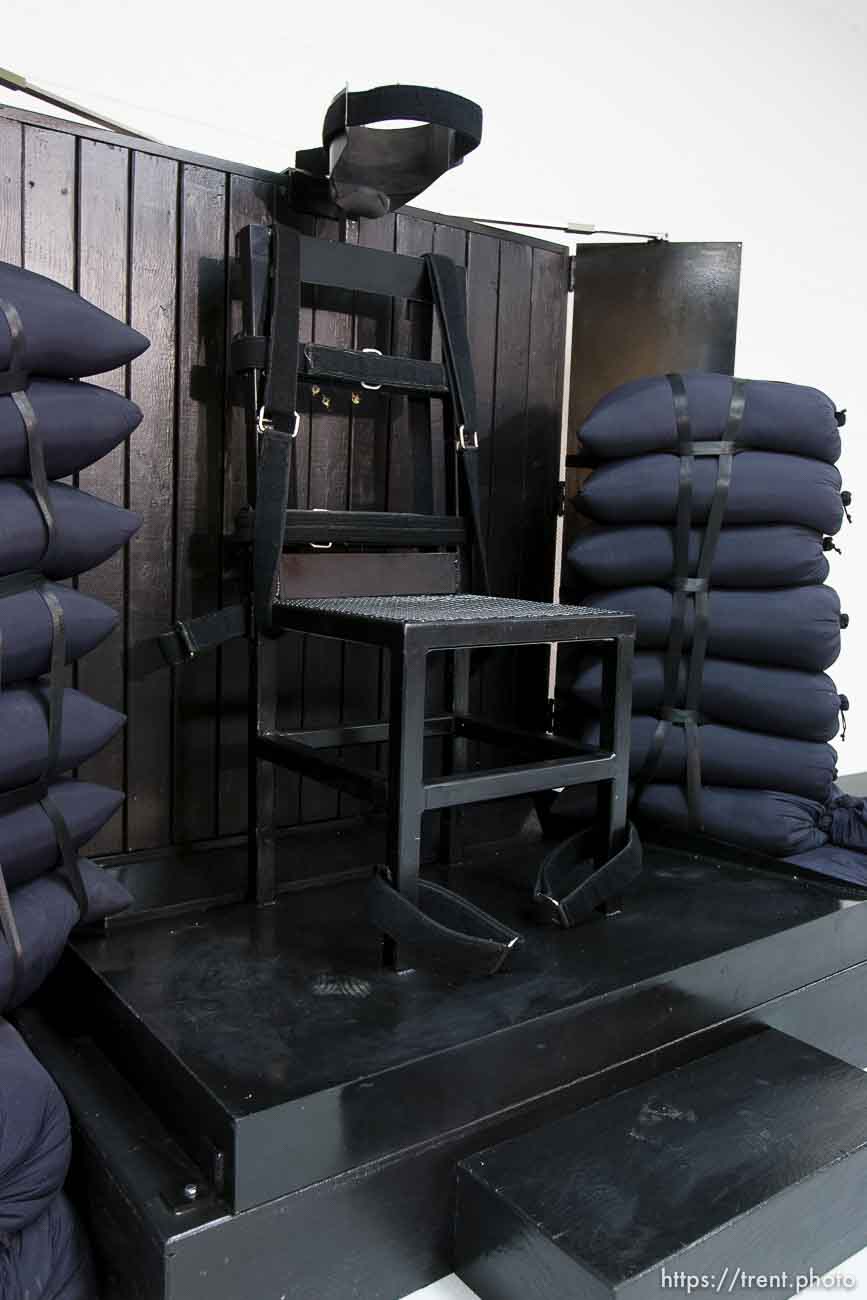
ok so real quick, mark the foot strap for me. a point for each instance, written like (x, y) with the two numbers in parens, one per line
(571, 883)
(449, 930)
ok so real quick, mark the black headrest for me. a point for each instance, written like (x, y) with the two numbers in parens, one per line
(361, 170)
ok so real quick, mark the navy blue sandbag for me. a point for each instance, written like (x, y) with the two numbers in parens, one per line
(87, 530)
(35, 1139)
(796, 627)
(78, 424)
(732, 756)
(765, 489)
(770, 556)
(65, 336)
(768, 821)
(28, 844)
(86, 726)
(25, 630)
(50, 1259)
(781, 701)
(45, 914)
(839, 864)
(638, 417)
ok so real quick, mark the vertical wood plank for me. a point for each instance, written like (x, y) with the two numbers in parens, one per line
(152, 297)
(198, 487)
(508, 459)
(369, 429)
(483, 286)
(49, 204)
(103, 184)
(452, 242)
(328, 489)
(292, 646)
(409, 454)
(48, 220)
(250, 203)
(541, 467)
(11, 159)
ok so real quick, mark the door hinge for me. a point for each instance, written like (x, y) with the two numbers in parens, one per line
(561, 498)
(550, 715)
(570, 283)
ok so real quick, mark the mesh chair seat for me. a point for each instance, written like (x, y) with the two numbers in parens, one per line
(459, 608)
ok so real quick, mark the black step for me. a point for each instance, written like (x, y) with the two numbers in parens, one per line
(749, 1161)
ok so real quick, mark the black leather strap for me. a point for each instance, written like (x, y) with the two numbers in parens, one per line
(278, 421)
(449, 292)
(449, 930)
(194, 636)
(696, 586)
(68, 867)
(37, 791)
(572, 883)
(364, 171)
(14, 383)
(365, 368)
(372, 369)
(8, 925)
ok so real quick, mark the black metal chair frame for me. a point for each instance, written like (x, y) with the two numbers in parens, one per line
(372, 597)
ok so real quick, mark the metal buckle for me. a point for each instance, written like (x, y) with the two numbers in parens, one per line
(463, 443)
(182, 632)
(551, 909)
(372, 388)
(265, 425)
(505, 955)
(320, 546)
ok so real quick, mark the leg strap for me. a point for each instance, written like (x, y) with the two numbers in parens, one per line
(449, 930)
(194, 636)
(571, 883)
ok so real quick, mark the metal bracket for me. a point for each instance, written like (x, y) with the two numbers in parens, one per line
(372, 388)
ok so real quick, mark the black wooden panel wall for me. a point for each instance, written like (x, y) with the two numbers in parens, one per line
(147, 233)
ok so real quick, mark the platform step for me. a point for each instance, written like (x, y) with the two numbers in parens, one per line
(749, 1161)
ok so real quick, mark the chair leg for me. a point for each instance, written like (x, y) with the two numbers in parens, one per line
(457, 750)
(262, 776)
(405, 776)
(613, 796)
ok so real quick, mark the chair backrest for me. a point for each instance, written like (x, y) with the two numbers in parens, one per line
(361, 552)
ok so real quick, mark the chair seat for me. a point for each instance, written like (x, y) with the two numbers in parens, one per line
(460, 608)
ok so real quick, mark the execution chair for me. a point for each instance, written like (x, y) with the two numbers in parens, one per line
(400, 581)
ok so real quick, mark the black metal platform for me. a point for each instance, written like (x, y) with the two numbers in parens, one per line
(296, 1087)
(741, 1171)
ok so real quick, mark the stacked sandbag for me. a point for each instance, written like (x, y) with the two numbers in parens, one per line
(52, 425)
(713, 505)
(42, 1250)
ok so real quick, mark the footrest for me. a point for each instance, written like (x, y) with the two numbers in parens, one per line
(743, 1171)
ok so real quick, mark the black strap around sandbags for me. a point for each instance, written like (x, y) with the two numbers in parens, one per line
(449, 293)
(37, 791)
(14, 382)
(453, 932)
(362, 171)
(572, 884)
(695, 587)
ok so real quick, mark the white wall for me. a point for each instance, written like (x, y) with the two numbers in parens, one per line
(742, 121)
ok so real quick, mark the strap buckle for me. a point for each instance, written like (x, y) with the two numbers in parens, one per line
(551, 909)
(264, 424)
(185, 640)
(463, 442)
(320, 546)
(372, 388)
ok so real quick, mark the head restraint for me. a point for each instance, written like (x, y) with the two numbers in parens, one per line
(362, 170)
